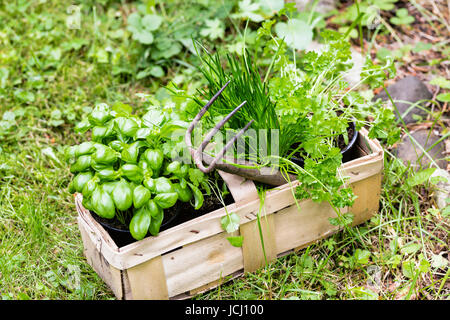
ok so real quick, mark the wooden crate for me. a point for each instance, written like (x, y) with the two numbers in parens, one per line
(196, 256)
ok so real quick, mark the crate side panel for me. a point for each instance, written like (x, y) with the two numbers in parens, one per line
(295, 227)
(214, 284)
(200, 228)
(110, 275)
(367, 203)
(299, 228)
(201, 263)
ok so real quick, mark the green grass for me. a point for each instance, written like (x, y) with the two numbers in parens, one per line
(41, 250)
(51, 82)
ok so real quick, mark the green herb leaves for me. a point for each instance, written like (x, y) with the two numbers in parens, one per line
(125, 174)
(230, 222)
(402, 17)
(214, 29)
(142, 26)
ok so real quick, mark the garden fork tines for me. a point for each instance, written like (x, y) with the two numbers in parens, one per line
(197, 154)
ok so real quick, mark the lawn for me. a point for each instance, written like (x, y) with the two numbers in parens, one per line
(58, 59)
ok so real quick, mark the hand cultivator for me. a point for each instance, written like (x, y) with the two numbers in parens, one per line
(242, 168)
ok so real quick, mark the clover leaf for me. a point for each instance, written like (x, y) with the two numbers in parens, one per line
(144, 37)
(249, 10)
(142, 27)
(441, 82)
(151, 22)
(402, 17)
(443, 97)
(236, 241)
(134, 22)
(166, 48)
(296, 33)
(444, 84)
(270, 7)
(385, 5)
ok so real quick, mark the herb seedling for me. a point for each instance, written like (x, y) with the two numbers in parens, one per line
(402, 17)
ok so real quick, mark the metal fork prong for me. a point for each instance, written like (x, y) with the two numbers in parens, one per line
(200, 115)
(211, 101)
(219, 156)
(198, 154)
(218, 126)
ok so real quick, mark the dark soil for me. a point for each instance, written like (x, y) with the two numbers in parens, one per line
(169, 215)
(178, 214)
(113, 223)
(210, 204)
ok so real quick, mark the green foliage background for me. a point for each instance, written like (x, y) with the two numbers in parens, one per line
(51, 76)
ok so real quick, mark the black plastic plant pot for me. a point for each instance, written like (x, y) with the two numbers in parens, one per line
(123, 237)
(348, 152)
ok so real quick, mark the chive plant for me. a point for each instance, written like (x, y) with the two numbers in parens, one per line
(247, 85)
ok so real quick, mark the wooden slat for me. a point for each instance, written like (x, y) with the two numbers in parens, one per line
(255, 256)
(363, 170)
(374, 144)
(367, 203)
(195, 230)
(201, 263)
(93, 226)
(240, 188)
(109, 274)
(148, 281)
(295, 227)
(208, 286)
(307, 244)
(98, 237)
